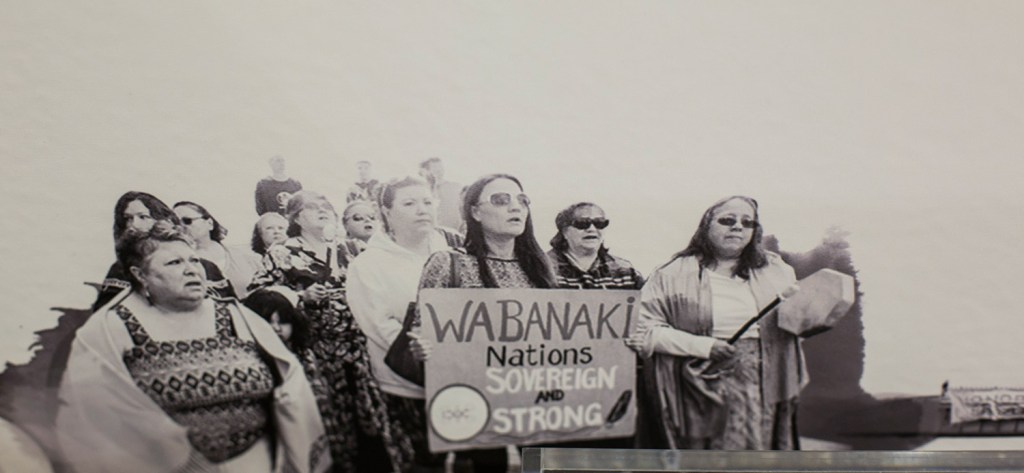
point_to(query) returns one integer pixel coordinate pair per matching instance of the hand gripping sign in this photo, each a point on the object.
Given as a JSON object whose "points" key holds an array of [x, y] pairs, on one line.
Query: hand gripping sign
{"points": [[527, 366]]}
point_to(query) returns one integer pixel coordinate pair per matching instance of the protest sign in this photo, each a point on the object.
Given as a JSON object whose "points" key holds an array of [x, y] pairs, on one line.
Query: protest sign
{"points": [[528, 366]]}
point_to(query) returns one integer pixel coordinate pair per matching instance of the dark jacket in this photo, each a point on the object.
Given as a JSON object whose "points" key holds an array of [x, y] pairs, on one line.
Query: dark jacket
{"points": [[607, 272]]}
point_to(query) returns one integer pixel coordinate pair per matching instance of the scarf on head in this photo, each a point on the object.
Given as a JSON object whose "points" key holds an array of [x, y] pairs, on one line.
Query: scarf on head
{"points": [[685, 388]]}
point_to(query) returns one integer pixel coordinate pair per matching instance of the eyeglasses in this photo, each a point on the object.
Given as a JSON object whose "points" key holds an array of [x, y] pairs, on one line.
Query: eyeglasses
{"points": [[190, 220], [731, 221], [501, 199], [585, 223], [325, 206]]}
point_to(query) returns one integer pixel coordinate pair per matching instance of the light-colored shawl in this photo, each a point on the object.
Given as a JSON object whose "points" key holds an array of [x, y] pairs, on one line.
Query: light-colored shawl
{"points": [[106, 423], [678, 295]]}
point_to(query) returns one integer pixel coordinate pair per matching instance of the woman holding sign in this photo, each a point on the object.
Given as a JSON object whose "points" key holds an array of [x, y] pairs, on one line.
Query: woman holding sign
{"points": [[382, 283], [715, 394], [500, 252], [501, 249]]}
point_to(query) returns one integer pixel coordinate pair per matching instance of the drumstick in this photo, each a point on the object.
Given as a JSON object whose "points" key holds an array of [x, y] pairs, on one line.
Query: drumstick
{"points": [[760, 315]]}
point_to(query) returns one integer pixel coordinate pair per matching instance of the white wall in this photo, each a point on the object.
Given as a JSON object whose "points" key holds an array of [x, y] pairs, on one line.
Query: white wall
{"points": [[900, 121]]}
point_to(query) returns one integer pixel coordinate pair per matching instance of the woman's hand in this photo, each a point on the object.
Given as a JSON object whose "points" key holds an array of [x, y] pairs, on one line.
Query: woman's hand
{"points": [[721, 351], [637, 338], [421, 349], [314, 293]]}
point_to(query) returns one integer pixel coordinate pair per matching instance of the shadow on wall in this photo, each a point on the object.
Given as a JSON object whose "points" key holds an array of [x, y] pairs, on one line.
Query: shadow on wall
{"points": [[28, 392], [833, 406]]}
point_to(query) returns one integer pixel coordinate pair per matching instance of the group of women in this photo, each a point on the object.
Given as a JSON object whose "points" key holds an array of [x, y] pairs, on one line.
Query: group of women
{"points": [[173, 372]]}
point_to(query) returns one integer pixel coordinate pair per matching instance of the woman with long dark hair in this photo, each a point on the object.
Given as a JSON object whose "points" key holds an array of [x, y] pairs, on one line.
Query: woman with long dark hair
{"points": [[278, 309], [501, 251], [239, 264], [137, 212], [278, 306], [744, 398]]}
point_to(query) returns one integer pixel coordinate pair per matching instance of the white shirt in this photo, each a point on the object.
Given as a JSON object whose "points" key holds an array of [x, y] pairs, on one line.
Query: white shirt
{"points": [[382, 281], [732, 305], [665, 339]]}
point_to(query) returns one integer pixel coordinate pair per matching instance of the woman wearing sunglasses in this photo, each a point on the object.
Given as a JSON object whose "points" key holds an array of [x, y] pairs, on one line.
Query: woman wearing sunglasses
{"points": [[137, 212], [579, 256], [500, 252], [354, 413], [360, 222], [500, 248], [581, 261], [744, 398], [239, 264]]}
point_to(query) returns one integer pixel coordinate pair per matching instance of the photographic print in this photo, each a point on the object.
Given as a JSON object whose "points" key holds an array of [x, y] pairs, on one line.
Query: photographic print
{"points": [[221, 221]]}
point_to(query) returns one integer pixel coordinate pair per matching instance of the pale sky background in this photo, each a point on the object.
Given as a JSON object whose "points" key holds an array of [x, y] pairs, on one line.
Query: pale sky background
{"points": [[899, 121]]}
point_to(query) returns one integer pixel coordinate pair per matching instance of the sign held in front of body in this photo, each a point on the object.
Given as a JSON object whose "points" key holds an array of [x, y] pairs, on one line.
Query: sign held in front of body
{"points": [[528, 366]]}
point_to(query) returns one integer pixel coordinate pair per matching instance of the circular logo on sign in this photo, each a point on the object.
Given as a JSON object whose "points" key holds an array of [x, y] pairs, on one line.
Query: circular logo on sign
{"points": [[458, 412]]}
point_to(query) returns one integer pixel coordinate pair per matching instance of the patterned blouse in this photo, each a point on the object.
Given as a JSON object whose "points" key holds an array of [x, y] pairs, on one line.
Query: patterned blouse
{"points": [[348, 249], [219, 388], [348, 396], [438, 272], [607, 272]]}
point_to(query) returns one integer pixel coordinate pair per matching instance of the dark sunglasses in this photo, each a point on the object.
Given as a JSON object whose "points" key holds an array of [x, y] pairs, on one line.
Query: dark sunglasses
{"points": [[501, 199], [362, 218], [585, 223], [730, 221], [189, 220]]}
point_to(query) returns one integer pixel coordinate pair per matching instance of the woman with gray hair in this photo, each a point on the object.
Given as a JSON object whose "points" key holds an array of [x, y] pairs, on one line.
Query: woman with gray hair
{"points": [[239, 264], [501, 251], [167, 379]]}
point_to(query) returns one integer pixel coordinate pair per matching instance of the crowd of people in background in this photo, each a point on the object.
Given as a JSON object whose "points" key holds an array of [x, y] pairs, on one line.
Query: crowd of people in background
{"points": [[202, 356]]}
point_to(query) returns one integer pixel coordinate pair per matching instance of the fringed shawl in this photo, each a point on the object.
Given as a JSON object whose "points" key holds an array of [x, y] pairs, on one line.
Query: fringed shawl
{"points": [[678, 295]]}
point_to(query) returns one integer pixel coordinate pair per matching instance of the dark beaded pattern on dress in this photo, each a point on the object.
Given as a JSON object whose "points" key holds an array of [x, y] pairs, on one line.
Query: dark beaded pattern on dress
{"points": [[219, 388]]}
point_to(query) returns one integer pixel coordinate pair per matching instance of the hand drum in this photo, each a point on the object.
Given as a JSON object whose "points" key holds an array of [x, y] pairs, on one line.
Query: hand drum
{"points": [[824, 298]]}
